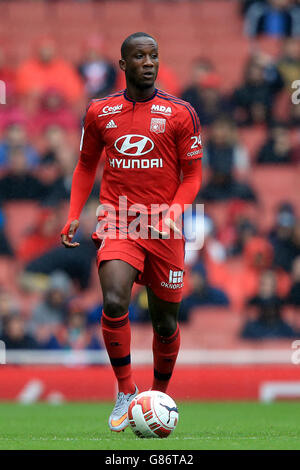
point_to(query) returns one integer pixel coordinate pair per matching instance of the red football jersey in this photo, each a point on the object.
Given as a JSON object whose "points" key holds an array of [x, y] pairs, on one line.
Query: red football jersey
{"points": [[144, 142]]}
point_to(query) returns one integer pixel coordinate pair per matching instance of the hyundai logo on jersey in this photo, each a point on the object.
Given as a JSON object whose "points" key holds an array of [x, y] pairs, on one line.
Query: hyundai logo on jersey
{"points": [[134, 144]]}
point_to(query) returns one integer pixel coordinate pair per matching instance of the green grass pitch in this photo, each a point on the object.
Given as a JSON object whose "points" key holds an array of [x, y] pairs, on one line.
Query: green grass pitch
{"points": [[201, 426]]}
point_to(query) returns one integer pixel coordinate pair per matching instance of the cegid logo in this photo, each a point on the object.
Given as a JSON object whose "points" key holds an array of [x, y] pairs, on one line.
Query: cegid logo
{"points": [[111, 110], [134, 144]]}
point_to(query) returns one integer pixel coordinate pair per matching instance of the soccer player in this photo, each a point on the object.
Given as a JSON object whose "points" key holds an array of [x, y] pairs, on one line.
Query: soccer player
{"points": [[152, 156]]}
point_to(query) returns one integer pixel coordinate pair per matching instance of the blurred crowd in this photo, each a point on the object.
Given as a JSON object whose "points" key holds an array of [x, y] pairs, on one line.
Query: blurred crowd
{"points": [[48, 295]]}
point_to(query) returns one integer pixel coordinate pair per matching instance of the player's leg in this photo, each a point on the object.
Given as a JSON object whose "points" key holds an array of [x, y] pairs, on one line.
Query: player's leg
{"points": [[166, 339], [117, 278]]}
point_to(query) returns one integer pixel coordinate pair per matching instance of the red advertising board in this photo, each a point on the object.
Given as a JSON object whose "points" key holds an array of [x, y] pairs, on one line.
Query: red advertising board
{"points": [[95, 383]]}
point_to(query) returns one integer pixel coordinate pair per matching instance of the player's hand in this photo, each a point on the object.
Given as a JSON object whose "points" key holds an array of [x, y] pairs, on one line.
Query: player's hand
{"points": [[162, 234], [66, 238]]}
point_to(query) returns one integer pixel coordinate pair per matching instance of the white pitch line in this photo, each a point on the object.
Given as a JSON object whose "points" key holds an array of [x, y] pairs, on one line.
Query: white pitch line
{"points": [[137, 439]]}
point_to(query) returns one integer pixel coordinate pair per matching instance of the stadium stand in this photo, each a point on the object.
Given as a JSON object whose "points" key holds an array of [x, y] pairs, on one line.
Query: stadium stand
{"points": [[185, 31]]}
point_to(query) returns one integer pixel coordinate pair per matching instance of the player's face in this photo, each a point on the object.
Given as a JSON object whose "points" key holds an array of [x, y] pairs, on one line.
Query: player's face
{"points": [[141, 63]]}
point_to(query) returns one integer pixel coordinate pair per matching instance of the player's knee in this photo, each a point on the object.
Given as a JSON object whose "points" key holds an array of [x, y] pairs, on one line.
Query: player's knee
{"points": [[115, 304], [166, 328]]}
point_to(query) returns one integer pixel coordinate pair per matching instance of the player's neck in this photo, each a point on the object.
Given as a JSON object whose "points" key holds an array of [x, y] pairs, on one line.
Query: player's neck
{"points": [[139, 95]]}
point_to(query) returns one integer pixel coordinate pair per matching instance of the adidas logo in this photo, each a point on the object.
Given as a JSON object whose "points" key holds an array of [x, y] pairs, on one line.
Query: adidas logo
{"points": [[111, 124]]}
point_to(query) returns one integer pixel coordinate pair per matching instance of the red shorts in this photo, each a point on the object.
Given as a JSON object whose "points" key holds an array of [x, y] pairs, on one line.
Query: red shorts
{"points": [[160, 262]]}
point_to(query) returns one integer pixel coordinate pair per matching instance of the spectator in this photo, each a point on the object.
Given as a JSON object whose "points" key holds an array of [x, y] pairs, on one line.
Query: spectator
{"points": [[11, 112], [138, 309], [55, 143], [253, 100], [295, 11], [19, 183], [246, 4], [5, 247], [167, 80], [294, 294], [245, 229], [199, 228], [7, 74], [97, 71], [267, 306], [52, 311], [294, 118], [76, 331], [272, 18], [214, 251], [57, 157], [258, 256], [204, 94], [285, 237], [16, 138], [54, 111], [278, 147], [59, 186], [8, 308], [202, 293], [239, 225], [14, 335], [223, 151], [77, 267], [48, 338], [258, 253], [223, 187], [289, 62], [200, 68], [45, 70], [94, 315], [225, 157], [78, 336], [43, 236]]}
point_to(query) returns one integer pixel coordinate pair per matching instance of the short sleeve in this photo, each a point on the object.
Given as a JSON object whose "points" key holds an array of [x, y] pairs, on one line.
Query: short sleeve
{"points": [[188, 134], [91, 142]]}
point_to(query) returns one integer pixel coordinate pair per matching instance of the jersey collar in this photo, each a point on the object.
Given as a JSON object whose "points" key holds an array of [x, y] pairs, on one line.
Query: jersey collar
{"points": [[140, 101]]}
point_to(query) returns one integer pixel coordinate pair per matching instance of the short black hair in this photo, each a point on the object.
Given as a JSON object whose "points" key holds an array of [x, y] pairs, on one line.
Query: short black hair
{"points": [[128, 40]]}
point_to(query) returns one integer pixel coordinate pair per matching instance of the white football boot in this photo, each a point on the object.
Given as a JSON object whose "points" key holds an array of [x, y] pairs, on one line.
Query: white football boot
{"points": [[118, 419]]}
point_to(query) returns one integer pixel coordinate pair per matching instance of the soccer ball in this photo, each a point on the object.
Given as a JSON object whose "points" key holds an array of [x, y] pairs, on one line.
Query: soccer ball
{"points": [[153, 414]]}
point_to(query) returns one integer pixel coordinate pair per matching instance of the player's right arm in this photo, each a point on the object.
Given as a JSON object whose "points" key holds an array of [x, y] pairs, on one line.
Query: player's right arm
{"points": [[83, 179]]}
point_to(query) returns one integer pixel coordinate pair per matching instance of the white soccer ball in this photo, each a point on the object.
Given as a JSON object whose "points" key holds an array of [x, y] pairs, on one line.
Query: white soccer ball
{"points": [[153, 414]]}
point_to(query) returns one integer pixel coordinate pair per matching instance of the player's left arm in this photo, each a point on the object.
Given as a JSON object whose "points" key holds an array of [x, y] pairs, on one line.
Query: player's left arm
{"points": [[189, 149], [186, 192]]}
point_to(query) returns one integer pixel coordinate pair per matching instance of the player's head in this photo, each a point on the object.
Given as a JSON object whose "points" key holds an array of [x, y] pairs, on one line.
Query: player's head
{"points": [[139, 60]]}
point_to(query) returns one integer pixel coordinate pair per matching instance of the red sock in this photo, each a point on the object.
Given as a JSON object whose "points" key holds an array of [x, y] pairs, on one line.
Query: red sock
{"points": [[165, 351], [116, 334]]}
